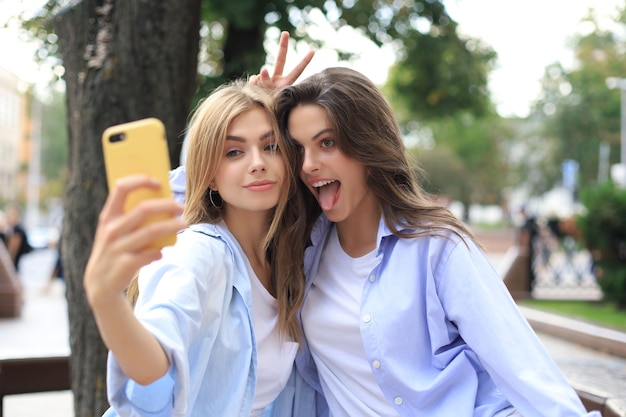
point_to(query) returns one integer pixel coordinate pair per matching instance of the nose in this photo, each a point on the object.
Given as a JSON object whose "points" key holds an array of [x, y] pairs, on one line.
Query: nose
{"points": [[258, 162], [309, 162]]}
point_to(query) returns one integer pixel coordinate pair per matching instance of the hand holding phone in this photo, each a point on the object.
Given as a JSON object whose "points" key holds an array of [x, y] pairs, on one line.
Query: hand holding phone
{"points": [[139, 147]]}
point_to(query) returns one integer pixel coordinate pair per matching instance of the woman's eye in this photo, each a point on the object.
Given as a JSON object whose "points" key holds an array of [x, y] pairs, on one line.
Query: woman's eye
{"points": [[233, 153], [327, 143], [300, 148], [272, 147]]}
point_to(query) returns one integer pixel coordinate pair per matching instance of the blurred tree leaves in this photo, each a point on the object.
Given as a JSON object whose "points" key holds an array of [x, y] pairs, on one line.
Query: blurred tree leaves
{"points": [[438, 74], [54, 146], [441, 74], [451, 70], [578, 111], [466, 159]]}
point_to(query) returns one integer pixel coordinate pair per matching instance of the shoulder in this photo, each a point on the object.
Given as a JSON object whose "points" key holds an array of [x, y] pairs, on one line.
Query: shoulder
{"points": [[440, 251], [453, 245], [200, 245], [432, 240], [198, 259], [457, 263]]}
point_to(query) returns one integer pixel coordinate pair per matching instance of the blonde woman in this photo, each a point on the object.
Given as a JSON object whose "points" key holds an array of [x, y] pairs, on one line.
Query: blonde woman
{"points": [[214, 331]]}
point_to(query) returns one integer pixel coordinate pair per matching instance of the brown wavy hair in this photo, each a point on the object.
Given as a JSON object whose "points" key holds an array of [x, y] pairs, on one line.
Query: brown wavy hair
{"points": [[367, 131]]}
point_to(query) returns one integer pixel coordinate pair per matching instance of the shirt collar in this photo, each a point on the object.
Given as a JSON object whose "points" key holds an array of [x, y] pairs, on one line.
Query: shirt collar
{"points": [[322, 226]]}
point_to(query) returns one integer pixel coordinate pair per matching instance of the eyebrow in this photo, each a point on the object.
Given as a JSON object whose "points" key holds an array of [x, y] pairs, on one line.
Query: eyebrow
{"points": [[265, 136], [322, 132], [318, 134]]}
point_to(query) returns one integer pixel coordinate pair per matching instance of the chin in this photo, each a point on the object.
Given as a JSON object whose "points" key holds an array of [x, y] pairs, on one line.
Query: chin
{"points": [[334, 216]]}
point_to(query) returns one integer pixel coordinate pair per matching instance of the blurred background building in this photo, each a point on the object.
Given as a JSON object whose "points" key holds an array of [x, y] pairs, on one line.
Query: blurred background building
{"points": [[20, 146], [13, 146]]}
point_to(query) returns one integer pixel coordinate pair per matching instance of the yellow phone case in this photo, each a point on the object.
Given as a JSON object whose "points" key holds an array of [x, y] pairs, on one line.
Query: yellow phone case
{"points": [[139, 147]]}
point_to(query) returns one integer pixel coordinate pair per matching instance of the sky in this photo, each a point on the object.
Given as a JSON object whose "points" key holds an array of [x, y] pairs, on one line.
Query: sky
{"points": [[527, 35], [15, 55]]}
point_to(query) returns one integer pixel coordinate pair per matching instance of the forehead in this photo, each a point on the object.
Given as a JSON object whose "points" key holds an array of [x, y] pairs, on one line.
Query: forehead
{"points": [[250, 122], [307, 120]]}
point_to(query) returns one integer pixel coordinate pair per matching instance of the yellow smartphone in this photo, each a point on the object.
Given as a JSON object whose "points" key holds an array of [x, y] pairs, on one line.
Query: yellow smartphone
{"points": [[139, 147]]}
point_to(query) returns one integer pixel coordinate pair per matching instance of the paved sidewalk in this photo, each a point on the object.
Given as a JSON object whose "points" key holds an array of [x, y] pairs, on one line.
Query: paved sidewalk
{"points": [[41, 331], [599, 377]]}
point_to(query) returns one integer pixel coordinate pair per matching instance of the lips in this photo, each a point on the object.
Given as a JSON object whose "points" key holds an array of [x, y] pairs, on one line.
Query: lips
{"points": [[262, 185]]}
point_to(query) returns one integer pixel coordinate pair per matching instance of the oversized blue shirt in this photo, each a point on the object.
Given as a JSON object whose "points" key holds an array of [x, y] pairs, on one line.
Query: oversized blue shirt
{"points": [[197, 301], [444, 336]]}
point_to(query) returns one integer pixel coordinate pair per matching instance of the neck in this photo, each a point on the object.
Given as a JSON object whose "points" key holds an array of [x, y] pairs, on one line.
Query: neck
{"points": [[250, 231], [357, 234]]}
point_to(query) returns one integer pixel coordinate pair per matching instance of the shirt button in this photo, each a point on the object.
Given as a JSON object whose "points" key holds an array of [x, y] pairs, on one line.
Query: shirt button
{"points": [[367, 318], [372, 278], [376, 364], [398, 400]]}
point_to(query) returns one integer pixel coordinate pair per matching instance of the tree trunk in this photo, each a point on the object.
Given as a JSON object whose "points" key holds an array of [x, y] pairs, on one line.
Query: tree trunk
{"points": [[243, 51], [124, 60]]}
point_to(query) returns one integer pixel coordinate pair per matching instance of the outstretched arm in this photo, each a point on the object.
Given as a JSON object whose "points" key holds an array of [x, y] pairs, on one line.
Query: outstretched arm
{"points": [[119, 250], [277, 80]]}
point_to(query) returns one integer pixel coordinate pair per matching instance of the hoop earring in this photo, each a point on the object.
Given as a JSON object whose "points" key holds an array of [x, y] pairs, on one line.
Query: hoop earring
{"points": [[213, 202]]}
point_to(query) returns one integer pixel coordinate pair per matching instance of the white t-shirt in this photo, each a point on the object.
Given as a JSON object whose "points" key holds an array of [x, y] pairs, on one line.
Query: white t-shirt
{"points": [[275, 355], [331, 318]]}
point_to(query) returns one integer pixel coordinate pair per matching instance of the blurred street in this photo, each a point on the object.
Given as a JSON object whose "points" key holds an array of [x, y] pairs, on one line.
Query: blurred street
{"points": [[42, 330], [44, 313]]}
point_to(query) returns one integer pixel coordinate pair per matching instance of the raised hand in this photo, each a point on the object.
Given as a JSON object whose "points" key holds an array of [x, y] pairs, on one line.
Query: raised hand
{"points": [[277, 80], [120, 245]]}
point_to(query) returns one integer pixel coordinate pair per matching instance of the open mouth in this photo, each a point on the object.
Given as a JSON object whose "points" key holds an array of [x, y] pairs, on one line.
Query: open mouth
{"points": [[327, 193]]}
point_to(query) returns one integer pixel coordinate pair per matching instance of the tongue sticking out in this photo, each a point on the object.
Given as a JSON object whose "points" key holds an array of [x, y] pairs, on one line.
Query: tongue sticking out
{"points": [[328, 195]]}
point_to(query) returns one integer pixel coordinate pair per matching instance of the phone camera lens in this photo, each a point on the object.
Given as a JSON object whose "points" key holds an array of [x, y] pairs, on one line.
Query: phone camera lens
{"points": [[117, 137]]}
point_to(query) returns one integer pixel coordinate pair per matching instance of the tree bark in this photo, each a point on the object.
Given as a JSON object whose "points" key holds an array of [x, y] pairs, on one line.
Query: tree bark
{"points": [[124, 60], [243, 51]]}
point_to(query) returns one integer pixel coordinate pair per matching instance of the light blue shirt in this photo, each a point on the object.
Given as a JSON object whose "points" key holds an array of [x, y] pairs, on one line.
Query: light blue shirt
{"points": [[197, 301], [178, 183], [444, 337]]}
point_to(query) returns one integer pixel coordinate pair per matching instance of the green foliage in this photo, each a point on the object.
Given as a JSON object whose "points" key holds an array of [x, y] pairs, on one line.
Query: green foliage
{"points": [[382, 21], [440, 76], [578, 110], [236, 30], [531, 158], [233, 32], [464, 158], [54, 144], [443, 172], [439, 86], [603, 231]]}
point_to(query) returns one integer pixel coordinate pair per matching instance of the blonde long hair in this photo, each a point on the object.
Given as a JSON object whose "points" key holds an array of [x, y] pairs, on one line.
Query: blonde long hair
{"points": [[207, 134]]}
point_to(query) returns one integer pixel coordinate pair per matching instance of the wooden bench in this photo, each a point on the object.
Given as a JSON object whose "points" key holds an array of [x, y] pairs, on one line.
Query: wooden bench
{"points": [[31, 375]]}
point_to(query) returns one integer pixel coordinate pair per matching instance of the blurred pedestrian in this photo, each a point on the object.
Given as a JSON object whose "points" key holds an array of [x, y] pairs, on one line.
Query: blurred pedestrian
{"points": [[14, 235], [57, 270], [3, 225], [529, 231]]}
